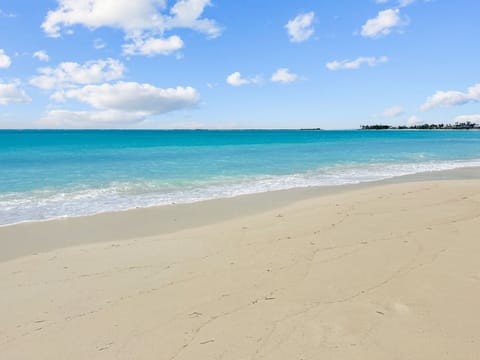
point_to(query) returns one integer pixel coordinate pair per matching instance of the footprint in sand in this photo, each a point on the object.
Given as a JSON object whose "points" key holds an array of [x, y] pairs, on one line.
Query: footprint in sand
{"points": [[400, 308]]}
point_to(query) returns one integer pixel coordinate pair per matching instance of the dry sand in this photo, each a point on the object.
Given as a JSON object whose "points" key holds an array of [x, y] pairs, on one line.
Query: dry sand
{"points": [[390, 271]]}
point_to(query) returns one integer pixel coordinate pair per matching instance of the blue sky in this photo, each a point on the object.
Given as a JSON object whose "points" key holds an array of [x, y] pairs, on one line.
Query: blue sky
{"points": [[237, 64]]}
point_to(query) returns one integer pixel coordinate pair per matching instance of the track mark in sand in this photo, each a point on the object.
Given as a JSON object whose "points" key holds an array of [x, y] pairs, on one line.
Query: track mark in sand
{"points": [[105, 347], [207, 341]]}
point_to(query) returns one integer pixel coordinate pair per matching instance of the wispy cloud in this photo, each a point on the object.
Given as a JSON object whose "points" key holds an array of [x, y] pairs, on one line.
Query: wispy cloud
{"points": [[393, 111], [6, 14], [355, 64], [153, 46], [99, 43]]}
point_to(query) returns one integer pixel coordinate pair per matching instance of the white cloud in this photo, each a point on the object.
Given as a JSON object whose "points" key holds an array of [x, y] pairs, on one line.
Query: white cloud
{"points": [[393, 111], [452, 98], [120, 104], [12, 93], [355, 64], [474, 118], [130, 16], [153, 46], [382, 24], [142, 21], [5, 61], [282, 75], [301, 27], [235, 79], [41, 55], [187, 13], [134, 97], [69, 74]]}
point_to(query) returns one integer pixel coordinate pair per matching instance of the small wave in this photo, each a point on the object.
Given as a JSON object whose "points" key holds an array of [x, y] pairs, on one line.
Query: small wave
{"points": [[53, 203]]}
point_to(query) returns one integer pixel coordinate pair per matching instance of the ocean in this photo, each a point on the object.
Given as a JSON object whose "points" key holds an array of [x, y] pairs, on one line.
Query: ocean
{"points": [[47, 174]]}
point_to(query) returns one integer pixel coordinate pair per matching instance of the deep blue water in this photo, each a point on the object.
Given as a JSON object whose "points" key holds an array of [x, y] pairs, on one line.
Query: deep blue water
{"points": [[52, 173]]}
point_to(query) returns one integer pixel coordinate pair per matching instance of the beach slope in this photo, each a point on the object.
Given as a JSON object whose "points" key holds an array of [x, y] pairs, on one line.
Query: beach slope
{"points": [[389, 271]]}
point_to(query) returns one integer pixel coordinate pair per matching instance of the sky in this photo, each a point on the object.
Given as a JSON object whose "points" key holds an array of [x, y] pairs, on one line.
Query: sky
{"points": [[222, 64]]}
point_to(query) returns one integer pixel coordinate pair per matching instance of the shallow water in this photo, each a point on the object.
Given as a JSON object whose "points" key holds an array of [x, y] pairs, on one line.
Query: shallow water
{"points": [[53, 173]]}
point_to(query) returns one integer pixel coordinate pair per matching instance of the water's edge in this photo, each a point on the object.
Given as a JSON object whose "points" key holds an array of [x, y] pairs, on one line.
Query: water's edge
{"points": [[465, 172]]}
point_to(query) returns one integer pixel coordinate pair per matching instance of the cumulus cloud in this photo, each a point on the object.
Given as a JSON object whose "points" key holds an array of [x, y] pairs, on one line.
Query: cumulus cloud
{"points": [[393, 111], [135, 97], [69, 74], [452, 98], [153, 46], [12, 93], [282, 75], [127, 15], [383, 23], [41, 55], [121, 103], [187, 14], [474, 118], [300, 28], [355, 64], [142, 21], [5, 61], [235, 79]]}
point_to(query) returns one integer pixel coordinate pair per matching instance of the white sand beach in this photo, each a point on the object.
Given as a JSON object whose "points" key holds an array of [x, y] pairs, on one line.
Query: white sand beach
{"points": [[384, 271]]}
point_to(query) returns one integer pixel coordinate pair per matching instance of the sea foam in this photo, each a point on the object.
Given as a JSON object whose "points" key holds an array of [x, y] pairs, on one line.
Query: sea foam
{"points": [[54, 203]]}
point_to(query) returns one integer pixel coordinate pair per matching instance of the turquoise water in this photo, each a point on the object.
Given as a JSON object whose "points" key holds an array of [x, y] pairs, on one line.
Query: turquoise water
{"points": [[49, 174]]}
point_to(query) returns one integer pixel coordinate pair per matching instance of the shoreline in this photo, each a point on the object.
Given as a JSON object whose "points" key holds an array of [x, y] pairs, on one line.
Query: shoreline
{"points": [[417, 175], [37, 236], [287, 275]]}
